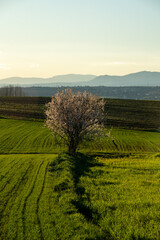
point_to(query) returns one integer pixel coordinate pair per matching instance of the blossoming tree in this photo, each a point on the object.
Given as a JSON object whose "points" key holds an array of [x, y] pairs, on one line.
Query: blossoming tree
{"points": [[74, 116]]}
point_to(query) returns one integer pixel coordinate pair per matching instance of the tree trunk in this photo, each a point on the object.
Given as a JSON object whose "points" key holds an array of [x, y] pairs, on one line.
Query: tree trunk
{"points": [[72, 147]]}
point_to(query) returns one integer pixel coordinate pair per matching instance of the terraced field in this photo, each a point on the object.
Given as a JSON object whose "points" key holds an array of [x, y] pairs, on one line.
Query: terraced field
{"points": [[109, 191]]}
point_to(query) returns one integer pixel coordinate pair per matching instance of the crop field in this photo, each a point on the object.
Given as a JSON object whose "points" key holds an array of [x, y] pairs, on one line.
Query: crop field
{"points": [[137, 114], [19, 136], [110, 190], [112, 196]]}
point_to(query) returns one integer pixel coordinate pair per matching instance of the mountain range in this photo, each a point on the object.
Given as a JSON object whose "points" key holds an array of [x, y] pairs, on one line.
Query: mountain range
{"points": [[144, 78]]}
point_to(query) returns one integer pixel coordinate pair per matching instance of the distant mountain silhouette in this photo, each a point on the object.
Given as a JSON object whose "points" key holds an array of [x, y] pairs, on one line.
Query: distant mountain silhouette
{"points": [[56, 80], [144, 78], [134, 79]]}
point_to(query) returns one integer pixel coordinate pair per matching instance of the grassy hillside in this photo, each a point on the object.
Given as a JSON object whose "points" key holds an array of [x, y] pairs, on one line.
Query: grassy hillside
{"points": [[119, 113], [19, 136]]}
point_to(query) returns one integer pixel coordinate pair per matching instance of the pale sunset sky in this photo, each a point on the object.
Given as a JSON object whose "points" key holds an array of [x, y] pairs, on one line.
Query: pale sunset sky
{"points": [[44, 38]]}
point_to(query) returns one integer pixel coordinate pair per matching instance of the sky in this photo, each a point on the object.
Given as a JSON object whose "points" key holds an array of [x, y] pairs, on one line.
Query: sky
{"points": [[44, 38]]}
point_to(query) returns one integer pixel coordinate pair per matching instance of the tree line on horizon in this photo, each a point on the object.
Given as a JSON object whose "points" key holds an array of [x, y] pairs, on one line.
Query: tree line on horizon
{"points": [[12, 91], [139, 93]]}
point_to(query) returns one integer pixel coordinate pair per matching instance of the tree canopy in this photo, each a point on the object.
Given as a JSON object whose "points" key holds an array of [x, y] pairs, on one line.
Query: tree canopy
{"points": [[73, 116]]}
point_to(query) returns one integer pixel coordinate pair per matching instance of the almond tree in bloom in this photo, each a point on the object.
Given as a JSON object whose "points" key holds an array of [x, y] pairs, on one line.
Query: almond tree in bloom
{"points": [[74, 116]]}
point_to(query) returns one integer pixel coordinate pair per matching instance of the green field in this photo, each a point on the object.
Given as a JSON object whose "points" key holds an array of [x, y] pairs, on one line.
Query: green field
{"points": [[108, 191], [103, 197], [137, 114], [19, 136]]}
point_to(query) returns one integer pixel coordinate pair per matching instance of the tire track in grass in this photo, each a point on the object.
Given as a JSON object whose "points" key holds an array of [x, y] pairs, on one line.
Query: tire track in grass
{"points": [[12, 193], [2, 162], [4, 169], [22, 141], [5, 166], [38, 200], [8, 180], [5, 141], [155, 146], [48, 142], [114, 143], [8, 143], [26, 198], [15, 187], [15, 224]]}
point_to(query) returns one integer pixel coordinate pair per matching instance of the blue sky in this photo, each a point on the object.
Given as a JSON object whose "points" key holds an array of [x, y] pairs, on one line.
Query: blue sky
{"points": [[43, 38]]}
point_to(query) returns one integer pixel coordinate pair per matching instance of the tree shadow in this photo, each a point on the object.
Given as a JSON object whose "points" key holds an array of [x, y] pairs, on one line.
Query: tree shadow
{"points": [[82, 164], [81, 167]]}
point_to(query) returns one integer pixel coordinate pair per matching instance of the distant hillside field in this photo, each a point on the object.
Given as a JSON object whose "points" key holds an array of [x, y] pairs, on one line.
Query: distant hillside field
{"points": [[135, 114]]}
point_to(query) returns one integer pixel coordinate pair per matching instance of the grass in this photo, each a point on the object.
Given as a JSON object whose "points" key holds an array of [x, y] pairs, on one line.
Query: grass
{"points": [[82, 197], [108, 191], [122, 195], [25, 137], [22, 184], [19, 136], [137, 114]]}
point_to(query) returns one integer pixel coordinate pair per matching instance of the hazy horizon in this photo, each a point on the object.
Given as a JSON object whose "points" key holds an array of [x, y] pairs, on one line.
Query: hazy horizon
{"points": [[83, 74], [48, 38]]}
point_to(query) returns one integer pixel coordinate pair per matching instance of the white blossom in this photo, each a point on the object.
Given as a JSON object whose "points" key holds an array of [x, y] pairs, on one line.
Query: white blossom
{"points": [[73, 116]]}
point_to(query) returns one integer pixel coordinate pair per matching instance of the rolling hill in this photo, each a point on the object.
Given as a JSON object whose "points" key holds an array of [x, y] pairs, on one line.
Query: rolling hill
{"points": [[53, 81], [144, 78]]}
